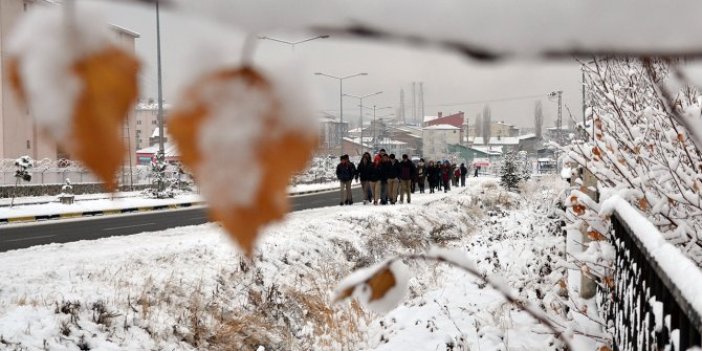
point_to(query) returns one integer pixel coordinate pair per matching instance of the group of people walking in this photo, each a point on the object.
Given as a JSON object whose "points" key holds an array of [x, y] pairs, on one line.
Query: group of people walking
{"points": [[384, 178]]}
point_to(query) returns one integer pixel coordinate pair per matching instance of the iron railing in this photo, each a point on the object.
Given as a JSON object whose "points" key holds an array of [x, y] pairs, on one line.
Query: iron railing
{"points": [[648, 310]]}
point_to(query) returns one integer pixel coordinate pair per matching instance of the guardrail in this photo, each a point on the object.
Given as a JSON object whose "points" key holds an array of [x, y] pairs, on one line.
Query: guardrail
{"points": [[657, 290]]}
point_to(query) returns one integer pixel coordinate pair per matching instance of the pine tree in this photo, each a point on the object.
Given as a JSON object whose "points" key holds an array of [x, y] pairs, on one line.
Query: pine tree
{"points": [[509, 173]]}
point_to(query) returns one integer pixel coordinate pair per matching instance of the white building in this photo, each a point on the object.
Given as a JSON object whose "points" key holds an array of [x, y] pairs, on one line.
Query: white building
{"points": [[435, 140]]}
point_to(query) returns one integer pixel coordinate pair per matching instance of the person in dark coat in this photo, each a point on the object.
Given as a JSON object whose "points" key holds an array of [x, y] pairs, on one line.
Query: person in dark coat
{"points": [[446, 176], [433, 174], [365, 167], [421, 175], [464, 172], [393, 178], [407, 173], [385, 169], [345, 172]]}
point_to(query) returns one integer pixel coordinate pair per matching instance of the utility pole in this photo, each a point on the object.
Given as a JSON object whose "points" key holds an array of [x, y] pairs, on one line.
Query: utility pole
{"points": [[402, 106], [161, 147], [421, 101], [414, 103]]}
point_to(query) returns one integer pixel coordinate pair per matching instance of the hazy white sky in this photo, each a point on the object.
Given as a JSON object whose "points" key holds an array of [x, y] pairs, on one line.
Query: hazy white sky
{"points": [[451, 83]]}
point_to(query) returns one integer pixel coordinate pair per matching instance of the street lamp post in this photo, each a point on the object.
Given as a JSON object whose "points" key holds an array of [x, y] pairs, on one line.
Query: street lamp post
{"points": [[161, 146], [293, 43], [374, 125], [341, 89], [360, 98], [559, 120]]}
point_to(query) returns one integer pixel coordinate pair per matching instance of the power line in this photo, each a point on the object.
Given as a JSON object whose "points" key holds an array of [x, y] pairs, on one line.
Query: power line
{"points": [[489, 100], [475, 102]]}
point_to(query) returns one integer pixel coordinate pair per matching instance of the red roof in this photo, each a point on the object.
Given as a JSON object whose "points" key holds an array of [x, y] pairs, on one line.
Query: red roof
{"points": [[455, 120]]}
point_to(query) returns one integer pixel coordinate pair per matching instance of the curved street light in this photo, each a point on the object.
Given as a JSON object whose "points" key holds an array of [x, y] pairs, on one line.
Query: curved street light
{"points": [[360, 98], [341, 89], [293, 43]]}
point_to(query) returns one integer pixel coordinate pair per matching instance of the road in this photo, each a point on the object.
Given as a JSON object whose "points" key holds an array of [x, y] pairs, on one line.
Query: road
{"points": [[62, 231]]}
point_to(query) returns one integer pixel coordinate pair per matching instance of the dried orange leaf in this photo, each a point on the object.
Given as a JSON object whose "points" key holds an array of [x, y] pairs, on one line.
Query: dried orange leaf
{"points": [[596, 236], [242, 220], [109, 87], [609, 281], [596, 151], [380, 284], [643, 204], [604, 348]]}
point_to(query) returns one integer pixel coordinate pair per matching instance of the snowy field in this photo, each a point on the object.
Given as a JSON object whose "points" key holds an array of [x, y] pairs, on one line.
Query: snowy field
{"points": [[188, 288]]}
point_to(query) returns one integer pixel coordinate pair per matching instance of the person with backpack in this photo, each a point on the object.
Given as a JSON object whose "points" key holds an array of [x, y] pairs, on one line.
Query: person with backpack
{"points": [[345, 172], [407, 173], [421, 175], [464, 172]]}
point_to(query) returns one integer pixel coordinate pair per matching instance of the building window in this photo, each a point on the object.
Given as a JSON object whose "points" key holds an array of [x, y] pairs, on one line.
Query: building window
{"points": [[138, 122], [29, 145], [153, 122]]}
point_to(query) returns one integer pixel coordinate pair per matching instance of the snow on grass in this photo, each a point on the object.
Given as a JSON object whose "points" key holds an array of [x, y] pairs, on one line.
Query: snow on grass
{"points": [[187, 288]]}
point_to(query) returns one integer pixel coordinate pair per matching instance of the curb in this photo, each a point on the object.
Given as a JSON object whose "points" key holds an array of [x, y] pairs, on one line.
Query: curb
{"points": [[28, 219]]}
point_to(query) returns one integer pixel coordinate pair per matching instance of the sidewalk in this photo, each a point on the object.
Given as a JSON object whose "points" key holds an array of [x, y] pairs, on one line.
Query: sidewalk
{"points": [[47, 207]]}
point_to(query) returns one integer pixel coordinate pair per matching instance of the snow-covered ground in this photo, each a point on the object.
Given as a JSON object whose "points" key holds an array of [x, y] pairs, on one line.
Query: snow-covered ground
{"points": [[188, 288]]}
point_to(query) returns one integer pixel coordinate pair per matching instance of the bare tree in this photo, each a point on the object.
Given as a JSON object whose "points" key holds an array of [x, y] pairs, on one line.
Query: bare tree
{"points": [[478, 125], [487, 124]]}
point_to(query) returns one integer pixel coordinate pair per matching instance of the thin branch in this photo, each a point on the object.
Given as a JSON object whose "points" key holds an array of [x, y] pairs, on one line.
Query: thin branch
{"points": [[530, 309]]}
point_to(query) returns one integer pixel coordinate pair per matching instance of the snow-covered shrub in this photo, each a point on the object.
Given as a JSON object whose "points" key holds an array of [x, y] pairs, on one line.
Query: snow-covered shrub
{"points": [[510, 171]]}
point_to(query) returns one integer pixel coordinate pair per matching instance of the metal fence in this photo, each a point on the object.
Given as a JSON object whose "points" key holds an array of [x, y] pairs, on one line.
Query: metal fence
{"points": [[648, 310], [77, 176]]}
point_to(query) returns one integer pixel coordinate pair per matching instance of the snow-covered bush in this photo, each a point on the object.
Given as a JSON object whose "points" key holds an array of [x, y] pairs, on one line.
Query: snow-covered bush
{"points": [[22, 165]]}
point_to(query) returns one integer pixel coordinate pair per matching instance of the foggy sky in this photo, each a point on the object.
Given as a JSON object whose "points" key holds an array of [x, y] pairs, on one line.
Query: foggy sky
{"points": [[450, 81]]}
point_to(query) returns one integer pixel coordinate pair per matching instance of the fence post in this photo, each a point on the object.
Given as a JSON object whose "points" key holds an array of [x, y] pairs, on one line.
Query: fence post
{"points": [[588, 287]]}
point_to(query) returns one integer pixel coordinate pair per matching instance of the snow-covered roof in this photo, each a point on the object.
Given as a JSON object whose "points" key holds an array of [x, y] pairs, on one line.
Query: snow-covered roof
{"points": [[145, 106], [388, 141], [121, 29], [496, 141], [429, 118], [366, 141], [441, 127], [169, 149], [526, 136], [491, 150]]}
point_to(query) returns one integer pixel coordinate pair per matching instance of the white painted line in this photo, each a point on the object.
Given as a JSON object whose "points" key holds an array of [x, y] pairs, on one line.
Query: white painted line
{"points": [[129, 226], [33, 238]]}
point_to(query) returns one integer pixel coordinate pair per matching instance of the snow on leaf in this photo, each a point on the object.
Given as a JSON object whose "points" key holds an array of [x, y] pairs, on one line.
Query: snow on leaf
{"points": [[380, 287], [231, 126]]}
